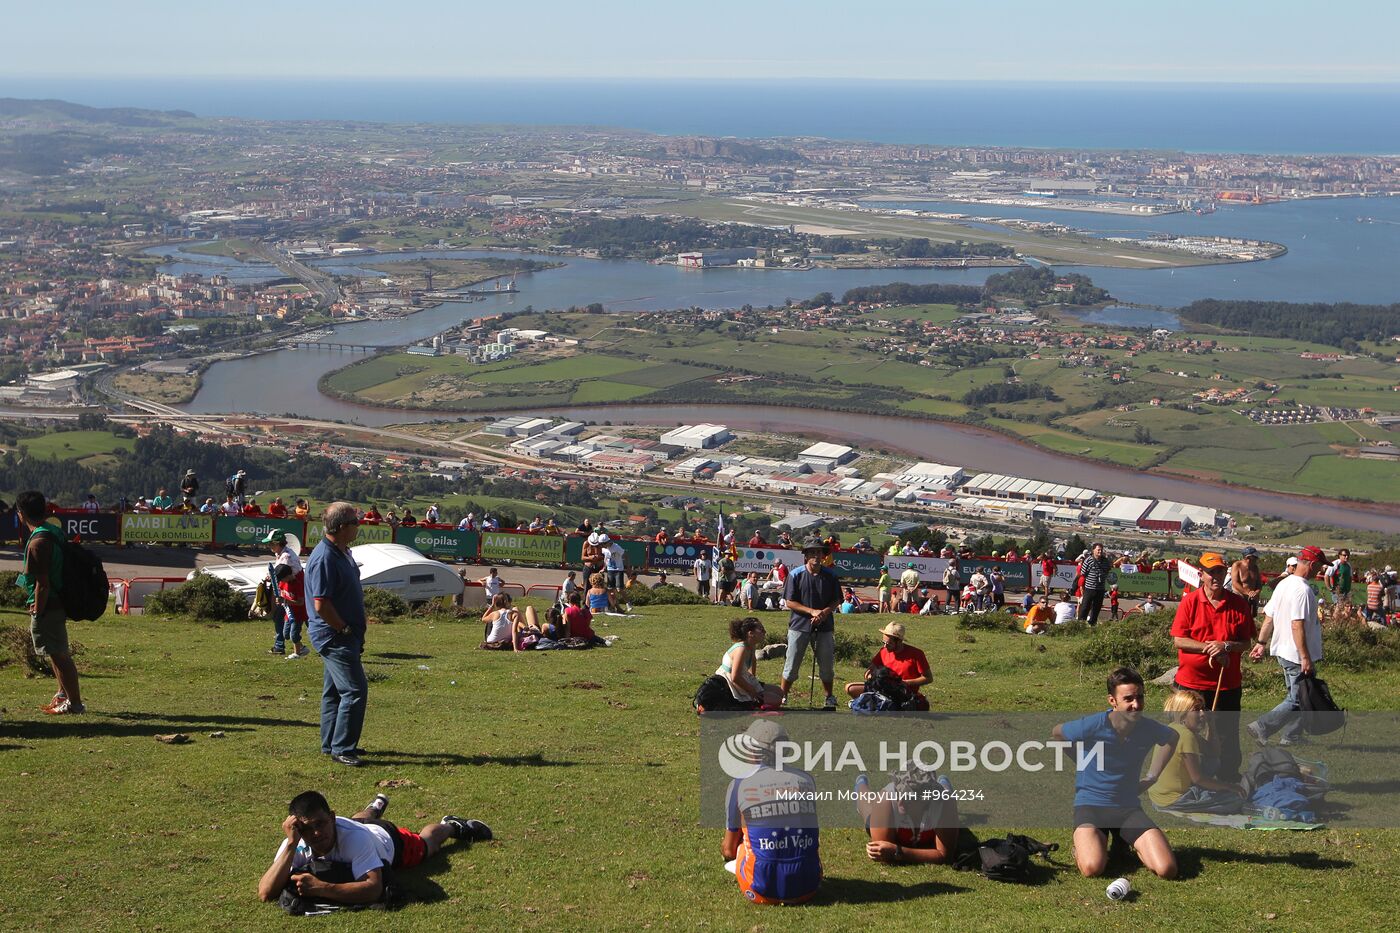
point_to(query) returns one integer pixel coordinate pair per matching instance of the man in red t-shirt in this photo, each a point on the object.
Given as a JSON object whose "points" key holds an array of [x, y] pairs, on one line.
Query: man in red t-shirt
{"points": [[1212, 629], [1047, 571], [903, 660]]}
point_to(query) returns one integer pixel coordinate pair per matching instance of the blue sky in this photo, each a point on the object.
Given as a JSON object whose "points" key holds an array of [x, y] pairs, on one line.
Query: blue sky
{"points": [[1280, 41]]}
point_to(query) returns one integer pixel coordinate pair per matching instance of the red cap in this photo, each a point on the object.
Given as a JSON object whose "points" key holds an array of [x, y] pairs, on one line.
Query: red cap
{"points": [[1313, 554]]}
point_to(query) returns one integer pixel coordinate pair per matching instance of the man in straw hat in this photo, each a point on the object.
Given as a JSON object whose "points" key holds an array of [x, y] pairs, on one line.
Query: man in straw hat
{"points": [[813, 594], [902, 660], [771, 830], [1213, 628]]}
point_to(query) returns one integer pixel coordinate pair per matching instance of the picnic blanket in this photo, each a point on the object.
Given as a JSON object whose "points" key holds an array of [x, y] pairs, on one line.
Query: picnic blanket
{"points": [[1243, 821]]}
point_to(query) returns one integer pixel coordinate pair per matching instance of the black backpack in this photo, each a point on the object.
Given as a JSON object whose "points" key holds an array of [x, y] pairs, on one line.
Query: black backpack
{"points": [[884, 681], [1006, 859], [1321, 714], [85, 588]]}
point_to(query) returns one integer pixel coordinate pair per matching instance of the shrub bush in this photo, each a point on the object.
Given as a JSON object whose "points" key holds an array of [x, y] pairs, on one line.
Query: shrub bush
{"points": [[16, 646], [1355, 646], [384, 605], [989, 621], [1142, 642], [206, 598], [668, 595], [11, 593]]}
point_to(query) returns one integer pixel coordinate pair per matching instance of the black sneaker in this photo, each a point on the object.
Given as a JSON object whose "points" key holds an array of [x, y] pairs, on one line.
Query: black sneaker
{"points": [[471, 830], [349, 759], [379, 804]]}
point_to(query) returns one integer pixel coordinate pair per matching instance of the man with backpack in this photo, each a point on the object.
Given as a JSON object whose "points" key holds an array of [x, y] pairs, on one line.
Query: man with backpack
{"points": [[42, 580], [236, 487], [900, 660], [1292, 634]]}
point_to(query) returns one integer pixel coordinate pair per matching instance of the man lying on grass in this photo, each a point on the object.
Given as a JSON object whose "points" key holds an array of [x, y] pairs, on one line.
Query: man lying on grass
{"points": [[1107, 791], [329, 859]]}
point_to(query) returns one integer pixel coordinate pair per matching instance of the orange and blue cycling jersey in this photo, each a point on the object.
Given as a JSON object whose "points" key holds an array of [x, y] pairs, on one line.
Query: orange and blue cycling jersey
{"points": [[777, 812]]}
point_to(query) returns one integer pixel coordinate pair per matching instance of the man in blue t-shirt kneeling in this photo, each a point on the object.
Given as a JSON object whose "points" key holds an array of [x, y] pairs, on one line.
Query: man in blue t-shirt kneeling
{"points": [[1106, 786]]}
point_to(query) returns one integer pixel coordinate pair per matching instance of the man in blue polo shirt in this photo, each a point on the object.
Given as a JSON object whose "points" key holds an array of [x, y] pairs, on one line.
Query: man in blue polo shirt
{"points": [[1107, 789], [335, 609], [812, 594]]}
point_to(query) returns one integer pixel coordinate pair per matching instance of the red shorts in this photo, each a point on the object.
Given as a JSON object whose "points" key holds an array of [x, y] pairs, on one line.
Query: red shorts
{"points": [[409, 848]]}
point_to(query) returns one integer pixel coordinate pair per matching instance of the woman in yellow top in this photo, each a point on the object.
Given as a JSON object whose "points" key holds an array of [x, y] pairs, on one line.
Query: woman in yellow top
{"points": [[1184, 783]]}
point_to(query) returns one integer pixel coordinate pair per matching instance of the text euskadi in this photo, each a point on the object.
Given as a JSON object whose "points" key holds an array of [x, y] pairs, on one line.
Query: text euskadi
{"points": [[996, 756]]}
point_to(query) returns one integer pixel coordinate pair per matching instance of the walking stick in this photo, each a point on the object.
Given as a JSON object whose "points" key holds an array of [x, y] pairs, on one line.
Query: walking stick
{"points": [[812, 684], [1218, 681]]}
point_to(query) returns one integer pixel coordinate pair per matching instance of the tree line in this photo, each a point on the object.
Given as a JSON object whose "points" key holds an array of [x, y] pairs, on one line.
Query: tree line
{"points": [[1337, 325]]}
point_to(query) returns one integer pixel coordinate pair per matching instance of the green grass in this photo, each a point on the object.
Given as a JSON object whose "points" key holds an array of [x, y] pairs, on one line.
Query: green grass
{"points": [[602, 390], [591, 792], [582, 366], [664, 376], [72, 445]]}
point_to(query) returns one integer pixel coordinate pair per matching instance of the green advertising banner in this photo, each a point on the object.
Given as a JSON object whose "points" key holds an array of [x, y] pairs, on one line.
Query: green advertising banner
{"points": [[369, 534], [1318, 584], [852, 566], [440, 542], [229, 529], [168, 529], [1158, 582], [522, 547]]}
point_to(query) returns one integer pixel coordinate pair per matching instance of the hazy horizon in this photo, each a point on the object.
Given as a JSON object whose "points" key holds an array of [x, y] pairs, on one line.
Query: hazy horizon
{"points": [[1198, 41]]}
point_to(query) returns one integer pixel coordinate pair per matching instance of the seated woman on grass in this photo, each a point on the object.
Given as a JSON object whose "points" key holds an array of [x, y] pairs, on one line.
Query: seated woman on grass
{"points": [[578, 620], [599, 597], [1187, 781], [913, 819], [501, 619], [739, 666], [526, 632]]}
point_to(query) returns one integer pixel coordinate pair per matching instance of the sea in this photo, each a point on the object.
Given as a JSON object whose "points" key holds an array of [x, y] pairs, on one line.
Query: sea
{"points": [[1209, 118]]}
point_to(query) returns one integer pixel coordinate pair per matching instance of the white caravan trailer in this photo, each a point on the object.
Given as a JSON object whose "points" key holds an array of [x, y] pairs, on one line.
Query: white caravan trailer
{"points": [[392, 567]]}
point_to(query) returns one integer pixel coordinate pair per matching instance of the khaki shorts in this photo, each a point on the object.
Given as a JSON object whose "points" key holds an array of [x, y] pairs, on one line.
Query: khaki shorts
{"points": [[49, 632]]}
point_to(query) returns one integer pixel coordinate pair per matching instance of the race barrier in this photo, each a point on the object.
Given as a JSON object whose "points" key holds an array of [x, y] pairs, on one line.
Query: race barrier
{"points": [[251, 531], [138, 588], [153, 528], [369, 534], [522, 547], [439, 542], [1157, 582], [90, 526], [676, 557]]}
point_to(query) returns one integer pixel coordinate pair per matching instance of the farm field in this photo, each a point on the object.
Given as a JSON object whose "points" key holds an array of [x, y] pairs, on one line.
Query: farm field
{"points": [[583, 761]]}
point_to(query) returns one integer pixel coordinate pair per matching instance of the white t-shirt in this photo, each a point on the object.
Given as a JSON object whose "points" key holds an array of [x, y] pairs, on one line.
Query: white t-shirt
{"points": [[493, 584], [1293, 599], [614, 557], [702, 568], [361, 846], [289, 558], [1063, 612]]}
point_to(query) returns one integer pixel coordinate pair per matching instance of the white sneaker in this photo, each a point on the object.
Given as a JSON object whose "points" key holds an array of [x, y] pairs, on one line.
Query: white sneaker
{"points": [[294, 657]]}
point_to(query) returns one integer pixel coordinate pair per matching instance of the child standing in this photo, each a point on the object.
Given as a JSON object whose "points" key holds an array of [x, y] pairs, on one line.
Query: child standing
{"points": [[1113, 603]]}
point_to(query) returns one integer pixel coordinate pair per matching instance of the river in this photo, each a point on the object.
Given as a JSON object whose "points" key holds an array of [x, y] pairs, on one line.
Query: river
{"points": [[1342, 260]]}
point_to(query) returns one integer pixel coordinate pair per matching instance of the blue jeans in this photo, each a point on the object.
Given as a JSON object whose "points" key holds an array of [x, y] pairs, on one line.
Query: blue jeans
{"points": [[278, 624], [344, 695], [291, 629], [1285, 716]]}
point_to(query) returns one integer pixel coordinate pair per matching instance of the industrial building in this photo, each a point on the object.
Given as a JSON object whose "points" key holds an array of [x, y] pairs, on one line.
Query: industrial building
{"points": [[1124, 512], [706, 258], [998, 486], [827, 457], [1178, 517], [698, 436]]}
